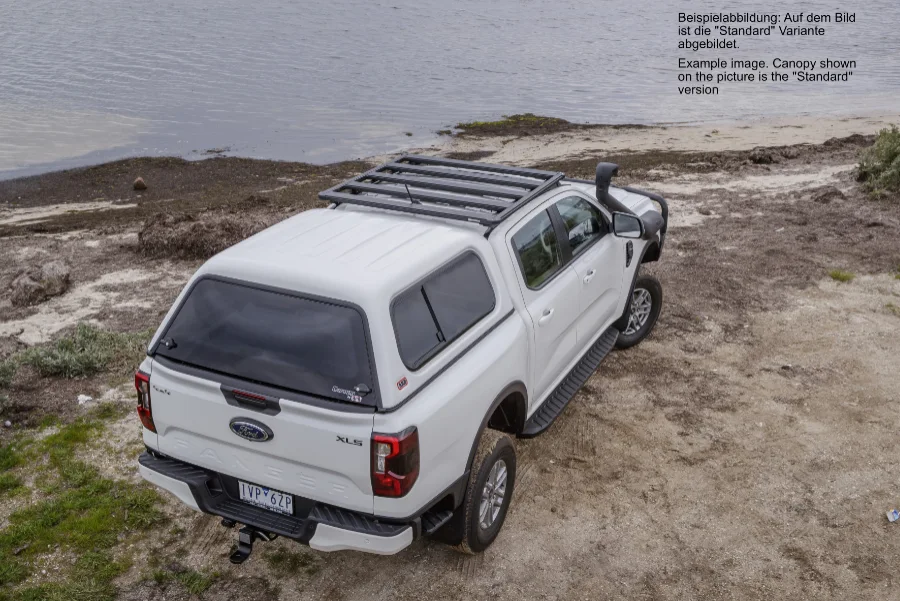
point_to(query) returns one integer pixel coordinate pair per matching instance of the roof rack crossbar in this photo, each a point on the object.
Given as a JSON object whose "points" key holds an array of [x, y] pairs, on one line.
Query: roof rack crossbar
{"points": [[490, 167], [443, 184], [495, 205], [392, 204], [464, 190], [465, 175], [553, 181]]}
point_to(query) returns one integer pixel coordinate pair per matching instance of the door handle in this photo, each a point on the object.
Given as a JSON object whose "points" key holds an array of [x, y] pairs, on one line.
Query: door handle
{"points": [[590, 276], [548, 314]]}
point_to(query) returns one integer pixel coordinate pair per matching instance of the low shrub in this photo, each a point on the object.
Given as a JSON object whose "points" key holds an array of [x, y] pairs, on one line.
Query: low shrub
{"points": [[879, 167], [839, 275], [87, 351]]}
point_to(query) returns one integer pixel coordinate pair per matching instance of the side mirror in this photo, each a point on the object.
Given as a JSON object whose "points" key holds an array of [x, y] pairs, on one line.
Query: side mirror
{"points": [[627, 226]]}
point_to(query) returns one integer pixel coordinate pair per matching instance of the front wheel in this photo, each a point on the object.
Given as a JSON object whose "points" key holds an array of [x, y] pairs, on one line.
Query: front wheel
{"points": [[646, 302]]}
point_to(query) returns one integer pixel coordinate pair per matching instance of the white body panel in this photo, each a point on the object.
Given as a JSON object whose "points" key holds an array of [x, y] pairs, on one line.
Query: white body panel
{"points": [[367, 258], [448, 416]]}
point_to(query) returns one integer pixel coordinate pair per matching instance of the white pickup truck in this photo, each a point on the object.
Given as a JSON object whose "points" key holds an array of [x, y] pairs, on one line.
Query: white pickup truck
{"points": [[353, 377]]}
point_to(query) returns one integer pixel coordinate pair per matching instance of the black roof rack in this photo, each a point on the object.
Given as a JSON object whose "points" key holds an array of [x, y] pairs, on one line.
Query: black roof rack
{"points": [[466, 190]]}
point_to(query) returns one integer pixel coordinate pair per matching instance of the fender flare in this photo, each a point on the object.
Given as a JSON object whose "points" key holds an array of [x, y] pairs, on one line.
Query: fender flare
{"points": [[512, 388], [622, 323]]}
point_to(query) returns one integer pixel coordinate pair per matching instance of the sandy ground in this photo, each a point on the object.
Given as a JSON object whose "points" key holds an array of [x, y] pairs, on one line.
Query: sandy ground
{"points": [[746, 450], [529, 149]]}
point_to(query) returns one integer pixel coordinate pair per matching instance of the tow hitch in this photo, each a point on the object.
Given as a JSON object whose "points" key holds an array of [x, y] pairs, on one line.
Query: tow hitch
{"points": [[246, 536]]}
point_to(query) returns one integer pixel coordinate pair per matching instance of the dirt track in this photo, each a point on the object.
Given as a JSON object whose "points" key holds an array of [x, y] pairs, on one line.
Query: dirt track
{"points": [[747, 450]]}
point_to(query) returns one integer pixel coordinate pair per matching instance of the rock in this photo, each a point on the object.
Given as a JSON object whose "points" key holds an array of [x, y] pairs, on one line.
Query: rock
{"points": [[26, 291], [55, 278], [7, 424], [83, 398], [139, 184], [761, 156], [826, 194], [36, 285]]}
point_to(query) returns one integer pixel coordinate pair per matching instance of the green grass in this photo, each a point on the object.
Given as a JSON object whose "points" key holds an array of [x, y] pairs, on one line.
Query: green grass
{"points": [[839, 275], [10, 485], [81, 511], [10, 457], [891, 307], [92, 577], [87, 351], [8, 368], [879, 167], [289, 563], [194, 582], [512, 122]]}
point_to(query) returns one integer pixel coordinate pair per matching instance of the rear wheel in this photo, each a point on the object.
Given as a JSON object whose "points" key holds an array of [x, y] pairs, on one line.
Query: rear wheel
{"points": [[478, 519], [646, 303]]}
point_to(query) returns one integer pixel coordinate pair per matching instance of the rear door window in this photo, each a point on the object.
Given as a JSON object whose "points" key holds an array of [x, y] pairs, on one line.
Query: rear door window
{"points": [[437, 311], [292, 342], [538, 250]]}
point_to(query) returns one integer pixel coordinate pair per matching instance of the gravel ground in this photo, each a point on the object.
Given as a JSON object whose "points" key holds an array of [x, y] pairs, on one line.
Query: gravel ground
{"points": [[746, 450]]}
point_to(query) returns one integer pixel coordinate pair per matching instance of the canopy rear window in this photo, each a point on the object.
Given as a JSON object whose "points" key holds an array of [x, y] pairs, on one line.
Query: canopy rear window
{"points": [[287, 341]]}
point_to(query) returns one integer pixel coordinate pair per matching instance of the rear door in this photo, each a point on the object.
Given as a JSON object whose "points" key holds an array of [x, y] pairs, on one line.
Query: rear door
{"points": [[598, 258], [296, 369], [550, 291]]}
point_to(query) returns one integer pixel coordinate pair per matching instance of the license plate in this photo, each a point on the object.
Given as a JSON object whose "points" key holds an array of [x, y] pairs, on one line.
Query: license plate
{"points": [[267, 498]]}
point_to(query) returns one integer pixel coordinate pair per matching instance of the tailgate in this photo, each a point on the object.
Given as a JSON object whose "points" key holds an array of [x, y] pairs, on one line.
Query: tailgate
{"points": [[313, 451]]}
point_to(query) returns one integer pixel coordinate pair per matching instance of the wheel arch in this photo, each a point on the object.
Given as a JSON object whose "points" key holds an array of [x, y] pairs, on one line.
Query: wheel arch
{"points": [[622, 323], [508, 410]]}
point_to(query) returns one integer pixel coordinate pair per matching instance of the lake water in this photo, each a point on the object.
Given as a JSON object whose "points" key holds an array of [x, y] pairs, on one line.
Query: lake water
{"points": [[84, 81]]}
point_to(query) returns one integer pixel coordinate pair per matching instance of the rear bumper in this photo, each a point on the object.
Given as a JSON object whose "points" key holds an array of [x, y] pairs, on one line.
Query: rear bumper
{"points": [[322, 527]]}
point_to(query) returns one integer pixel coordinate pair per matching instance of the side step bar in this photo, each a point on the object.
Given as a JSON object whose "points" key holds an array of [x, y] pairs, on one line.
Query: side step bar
{"points": [[551, 408]]}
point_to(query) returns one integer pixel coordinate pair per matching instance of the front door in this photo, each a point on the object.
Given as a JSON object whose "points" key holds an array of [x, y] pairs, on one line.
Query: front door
{"points": [[550, 291], [598, 258]]}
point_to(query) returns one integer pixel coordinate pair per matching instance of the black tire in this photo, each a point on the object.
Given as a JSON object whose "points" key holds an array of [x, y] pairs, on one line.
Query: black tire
{"points": [[465, 529], [650, 285]]}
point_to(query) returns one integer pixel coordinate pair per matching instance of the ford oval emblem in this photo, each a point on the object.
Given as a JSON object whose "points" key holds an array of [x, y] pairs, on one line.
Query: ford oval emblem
{"points": [[250, 429]]}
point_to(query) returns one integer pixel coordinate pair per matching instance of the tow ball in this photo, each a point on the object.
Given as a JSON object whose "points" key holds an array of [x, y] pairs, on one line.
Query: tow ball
{"points": [[246, 537]]}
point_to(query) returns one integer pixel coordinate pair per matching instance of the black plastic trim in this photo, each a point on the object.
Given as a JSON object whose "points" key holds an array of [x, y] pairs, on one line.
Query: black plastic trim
{"points": [[236, 397], [151, 352], [512, 388], [300, 527], [622, 323], [261, 388], [559, 398], [663, 205]]}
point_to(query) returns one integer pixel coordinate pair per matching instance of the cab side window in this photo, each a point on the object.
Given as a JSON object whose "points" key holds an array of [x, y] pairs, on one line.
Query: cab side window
{"points": [[437, 311], [538, 250], [583, 222]]}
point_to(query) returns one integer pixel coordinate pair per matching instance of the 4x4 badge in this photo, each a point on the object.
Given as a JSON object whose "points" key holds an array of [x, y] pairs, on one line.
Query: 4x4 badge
{"points": [[401, 383]]}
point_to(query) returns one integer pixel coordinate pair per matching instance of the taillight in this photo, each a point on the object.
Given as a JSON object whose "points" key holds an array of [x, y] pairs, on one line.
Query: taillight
{"points": [[395, 462], [142, 384]]}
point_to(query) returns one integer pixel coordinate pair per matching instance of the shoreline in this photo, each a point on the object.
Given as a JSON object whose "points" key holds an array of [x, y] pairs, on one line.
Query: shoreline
{"points": [[519, 143]]}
